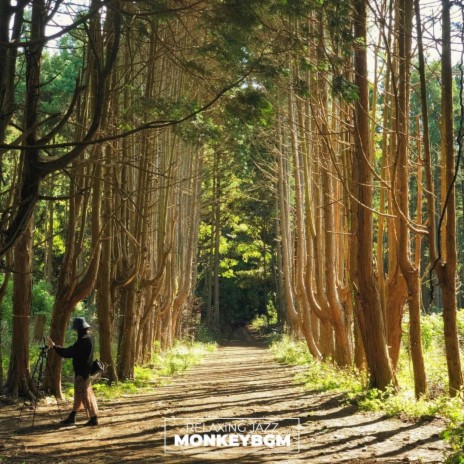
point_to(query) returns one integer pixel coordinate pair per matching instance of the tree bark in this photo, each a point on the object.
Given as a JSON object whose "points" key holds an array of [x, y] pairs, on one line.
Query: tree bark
{"points": [[408, 267], [217, 237], [369, 309], [447, 264], [19, 381]]}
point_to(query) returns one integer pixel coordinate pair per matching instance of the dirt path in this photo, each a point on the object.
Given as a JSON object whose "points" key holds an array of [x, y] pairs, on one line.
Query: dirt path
{"points": [[233, 382]]}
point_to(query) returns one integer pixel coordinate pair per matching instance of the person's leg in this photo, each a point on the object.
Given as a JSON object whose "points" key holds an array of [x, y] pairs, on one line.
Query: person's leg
{"points": [[77, 406], [93, 401], [90, 404], [79, 393]]}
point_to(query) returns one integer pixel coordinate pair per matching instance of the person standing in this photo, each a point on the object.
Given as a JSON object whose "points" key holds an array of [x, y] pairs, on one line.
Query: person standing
{"points": [[81, 353]]}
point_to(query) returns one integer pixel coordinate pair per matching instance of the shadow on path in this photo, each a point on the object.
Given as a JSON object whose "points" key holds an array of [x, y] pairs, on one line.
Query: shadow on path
{"points": [[239, 380]]}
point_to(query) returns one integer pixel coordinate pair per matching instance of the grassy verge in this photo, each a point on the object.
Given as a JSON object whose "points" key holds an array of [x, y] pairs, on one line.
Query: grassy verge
{"points": [[325, 376], [163, 365]]}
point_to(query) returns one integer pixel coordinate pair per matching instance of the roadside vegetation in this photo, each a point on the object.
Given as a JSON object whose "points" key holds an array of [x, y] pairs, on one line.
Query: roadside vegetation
{"points": [[184, 353], [399, 402], [164, 364]]}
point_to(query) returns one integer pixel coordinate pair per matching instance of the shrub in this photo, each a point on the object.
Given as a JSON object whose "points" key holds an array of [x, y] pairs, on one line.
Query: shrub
{"points": [[454, 435]]}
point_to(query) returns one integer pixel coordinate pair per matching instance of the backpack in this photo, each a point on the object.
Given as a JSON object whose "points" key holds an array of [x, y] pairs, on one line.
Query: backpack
{"points": [[97, 367]]}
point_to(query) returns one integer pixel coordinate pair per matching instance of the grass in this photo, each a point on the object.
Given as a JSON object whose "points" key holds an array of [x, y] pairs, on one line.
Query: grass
{"points": [[326, 376], [163, 365], [318, 376]]}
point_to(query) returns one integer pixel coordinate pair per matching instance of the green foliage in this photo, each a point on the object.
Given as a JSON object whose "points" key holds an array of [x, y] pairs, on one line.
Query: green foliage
{"points": [[42, 298], [205, 335], [287, 350], [259, 322], [230, 24], [42, 303], [266, 323], [246, 244], [198, 130], [345, 89], [41, 232], [335, 13], [435, 359], [163, 108], [326, 376], [318, 376], [404, 404], [105, 392], [271, 312], [5, 325], [164, 364], [250, 105], [182, 355], [302, 88], [295, 8], [7, 303], [454, 435], [59, 74], [431, 331]]}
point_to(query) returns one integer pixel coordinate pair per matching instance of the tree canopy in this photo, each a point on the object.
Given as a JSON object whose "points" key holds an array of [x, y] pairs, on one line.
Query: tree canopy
{"points": [[169, 163]]}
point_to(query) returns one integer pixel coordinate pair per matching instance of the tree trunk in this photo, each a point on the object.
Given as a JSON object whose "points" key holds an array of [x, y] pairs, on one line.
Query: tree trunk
{"points": [[370, 314], [72, 287], [217, 236], [48, 252], [408, 268], [18, 381], [447, 266], [285, 233], [103, 286], [301, 255], [3, 291]]}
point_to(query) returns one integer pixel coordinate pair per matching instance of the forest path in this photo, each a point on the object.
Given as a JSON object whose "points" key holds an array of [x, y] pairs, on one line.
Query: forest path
{"points": [[238, 380]]}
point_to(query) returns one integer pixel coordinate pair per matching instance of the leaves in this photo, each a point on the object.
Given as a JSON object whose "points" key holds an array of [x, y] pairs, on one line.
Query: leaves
{"points": [[345, 89], [251, 106]]}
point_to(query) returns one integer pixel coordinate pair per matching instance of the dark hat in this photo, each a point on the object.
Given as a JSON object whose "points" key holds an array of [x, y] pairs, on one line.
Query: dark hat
{"points": [[79, 323]]}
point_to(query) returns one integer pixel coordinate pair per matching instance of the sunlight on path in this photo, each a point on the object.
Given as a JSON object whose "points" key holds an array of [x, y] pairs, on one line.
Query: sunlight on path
{"points": [[234, 381]]}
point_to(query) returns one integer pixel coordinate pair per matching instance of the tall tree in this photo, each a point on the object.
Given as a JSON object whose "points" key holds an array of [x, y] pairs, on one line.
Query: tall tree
{"points": [[445, 265], [369, 314], [408, 266]]}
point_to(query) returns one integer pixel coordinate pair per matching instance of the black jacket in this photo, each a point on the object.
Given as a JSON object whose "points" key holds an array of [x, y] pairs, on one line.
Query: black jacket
{"points": [[81, 353]]}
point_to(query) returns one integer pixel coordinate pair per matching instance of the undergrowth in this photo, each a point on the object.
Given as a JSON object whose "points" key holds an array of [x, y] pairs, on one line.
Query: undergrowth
{"points": [[318, 376], [163, 365], [327, 376]]}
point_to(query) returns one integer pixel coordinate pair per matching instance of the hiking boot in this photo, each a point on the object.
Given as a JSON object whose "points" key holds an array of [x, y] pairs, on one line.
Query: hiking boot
{"points": [[71, 419], [92, 421]]}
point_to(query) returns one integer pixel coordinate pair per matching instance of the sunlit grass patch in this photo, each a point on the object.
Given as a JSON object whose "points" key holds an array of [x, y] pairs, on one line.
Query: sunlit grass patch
{"points": [[326, 376], [455, 437], [288, 350], [401, 402], [180, 357], [108, 392], [163, 365], [319, 376]]}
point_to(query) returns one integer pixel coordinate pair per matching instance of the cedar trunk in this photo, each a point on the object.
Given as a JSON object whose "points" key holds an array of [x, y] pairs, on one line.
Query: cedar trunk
{"points": [[18, 381], [369, 309]]}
